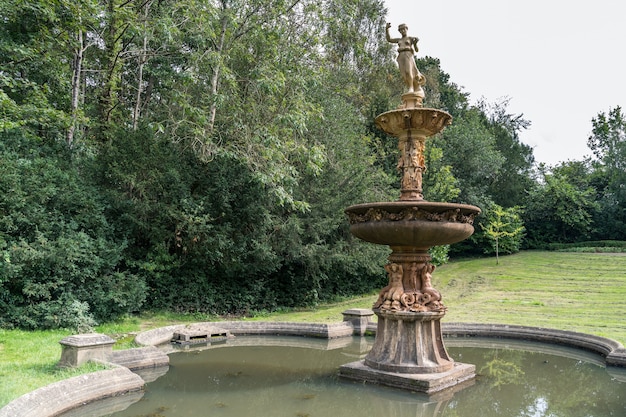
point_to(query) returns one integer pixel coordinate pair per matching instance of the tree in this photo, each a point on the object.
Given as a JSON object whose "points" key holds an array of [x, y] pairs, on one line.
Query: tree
{"points": [[62, 263], [258, 222], [34, 67], [469, 148], [515, 176], [558, 210], [608, 140], [504, 228], [608, 143], [440, 91]]}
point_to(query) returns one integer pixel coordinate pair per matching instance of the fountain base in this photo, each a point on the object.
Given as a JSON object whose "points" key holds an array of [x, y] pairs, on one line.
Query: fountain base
{"points": [[409, 353], [409, 343], [459, 376]]}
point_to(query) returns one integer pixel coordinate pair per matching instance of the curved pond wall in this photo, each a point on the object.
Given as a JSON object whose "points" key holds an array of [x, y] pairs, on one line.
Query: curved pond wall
{"points": [[151, 361]]}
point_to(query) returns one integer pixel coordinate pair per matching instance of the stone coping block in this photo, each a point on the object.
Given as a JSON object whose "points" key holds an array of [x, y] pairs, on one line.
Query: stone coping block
{"points": [[74, 392], [322, 330], [140, 358], [613, 351], [617, 358], [87, 340], [358, 312], [360, 318], [81, 348]]}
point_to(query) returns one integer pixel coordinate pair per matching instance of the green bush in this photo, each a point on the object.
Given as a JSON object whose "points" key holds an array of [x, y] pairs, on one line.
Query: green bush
{"points": [[199, 232], [60, 256], [208, 237], [146, 224]]}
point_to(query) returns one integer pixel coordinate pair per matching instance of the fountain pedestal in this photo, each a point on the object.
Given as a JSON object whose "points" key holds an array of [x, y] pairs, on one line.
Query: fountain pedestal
{"points": [[409, 343], [408, 351]]}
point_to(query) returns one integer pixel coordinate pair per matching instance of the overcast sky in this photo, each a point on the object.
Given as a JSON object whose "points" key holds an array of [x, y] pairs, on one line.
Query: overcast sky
{"points": [[560, 62]]}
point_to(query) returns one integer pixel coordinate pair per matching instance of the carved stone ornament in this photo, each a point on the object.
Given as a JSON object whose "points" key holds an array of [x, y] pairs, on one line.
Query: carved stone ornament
{"points": [[410, 289], [422, 122], [412, 213]]}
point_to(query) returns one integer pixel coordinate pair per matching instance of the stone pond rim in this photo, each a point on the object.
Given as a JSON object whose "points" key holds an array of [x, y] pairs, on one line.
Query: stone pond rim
{"points": [[416, 224]]}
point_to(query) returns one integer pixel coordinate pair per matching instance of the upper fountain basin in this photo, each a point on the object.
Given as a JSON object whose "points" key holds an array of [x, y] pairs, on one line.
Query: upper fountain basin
{"points": [[416, 224], [424, 121]]}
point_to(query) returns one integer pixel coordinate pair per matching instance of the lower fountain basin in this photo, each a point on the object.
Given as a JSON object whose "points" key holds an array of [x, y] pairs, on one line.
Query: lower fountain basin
{"points": [[251, 376], [416, 224]]}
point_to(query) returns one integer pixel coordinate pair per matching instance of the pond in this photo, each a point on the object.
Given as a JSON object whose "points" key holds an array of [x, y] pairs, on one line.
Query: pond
{"points": [[297, 377]]}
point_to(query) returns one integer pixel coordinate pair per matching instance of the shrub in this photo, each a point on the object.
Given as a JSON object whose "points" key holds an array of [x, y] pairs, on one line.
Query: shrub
{"points": [[60, 257]]}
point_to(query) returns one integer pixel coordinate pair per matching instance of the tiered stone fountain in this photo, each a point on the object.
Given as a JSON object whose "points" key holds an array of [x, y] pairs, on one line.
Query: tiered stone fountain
{"points": [[408, 351]]}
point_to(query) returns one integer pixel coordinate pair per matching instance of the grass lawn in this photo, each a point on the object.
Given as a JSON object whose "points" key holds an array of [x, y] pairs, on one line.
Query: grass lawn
{"points": [[584, 292]]}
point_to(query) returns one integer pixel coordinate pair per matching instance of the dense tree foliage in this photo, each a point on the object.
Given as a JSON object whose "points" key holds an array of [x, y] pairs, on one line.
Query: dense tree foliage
{"points": [[209, 142], [608, 143], [61, 257], [198, 156], [560, 208]]}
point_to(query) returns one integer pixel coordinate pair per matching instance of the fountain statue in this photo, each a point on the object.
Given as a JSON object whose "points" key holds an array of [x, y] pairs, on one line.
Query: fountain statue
{"points": [[408, 351], [407, 47]]}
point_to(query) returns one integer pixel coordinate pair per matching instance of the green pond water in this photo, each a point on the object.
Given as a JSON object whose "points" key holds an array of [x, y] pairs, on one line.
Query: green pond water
{"points": [[297, 377]]}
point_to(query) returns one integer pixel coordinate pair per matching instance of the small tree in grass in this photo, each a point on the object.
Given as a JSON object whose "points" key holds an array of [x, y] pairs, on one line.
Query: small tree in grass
{"points": [[504, 227]]}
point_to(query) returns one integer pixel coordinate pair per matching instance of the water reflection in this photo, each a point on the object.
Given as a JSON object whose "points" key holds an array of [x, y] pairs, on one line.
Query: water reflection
{"points": [[300, 380], [520, 383]]}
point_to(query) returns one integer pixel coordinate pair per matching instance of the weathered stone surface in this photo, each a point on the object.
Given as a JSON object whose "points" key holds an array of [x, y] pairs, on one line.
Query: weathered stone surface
{"points": [[617, 357], [359, 318], [420, 382], [159, 336], [613, 351], [140, 358], [412, 223], [322, 330], [87, 340], [421, 121], [358, 312], [82, 348], [200, 333], [66, 395], [409, 343], [407, 47]]}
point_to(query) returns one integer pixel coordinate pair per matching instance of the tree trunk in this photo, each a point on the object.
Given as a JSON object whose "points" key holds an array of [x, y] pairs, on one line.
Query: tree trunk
{"points": [[216, 72], [111, 65], [143, 59], [77, 68], [497, 256]]}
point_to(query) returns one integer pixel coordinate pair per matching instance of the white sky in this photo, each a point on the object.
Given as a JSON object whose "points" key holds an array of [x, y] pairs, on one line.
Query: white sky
{"points": [[560, 62]]}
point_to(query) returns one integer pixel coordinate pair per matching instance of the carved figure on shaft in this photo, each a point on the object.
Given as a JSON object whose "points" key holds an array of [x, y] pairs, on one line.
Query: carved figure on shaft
{"points": [[407, 47], [429, 294], [389, 297]]}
